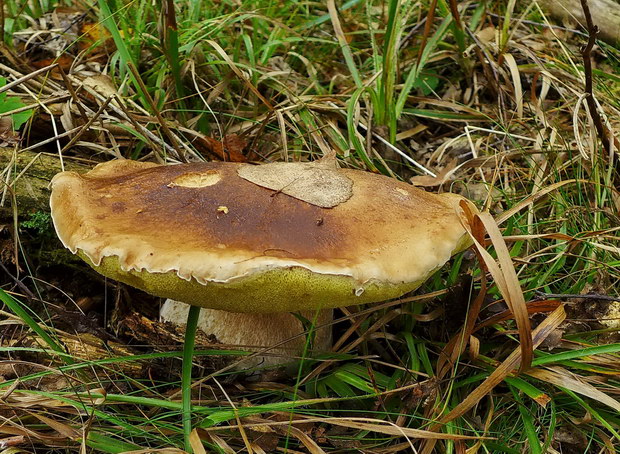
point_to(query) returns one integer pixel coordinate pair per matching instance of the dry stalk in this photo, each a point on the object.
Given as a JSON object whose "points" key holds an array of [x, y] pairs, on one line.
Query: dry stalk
{"points": [[586, 53]]}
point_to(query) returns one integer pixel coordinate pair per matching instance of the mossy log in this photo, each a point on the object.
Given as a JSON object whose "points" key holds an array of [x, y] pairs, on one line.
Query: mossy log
{"points": [[25, 179]]}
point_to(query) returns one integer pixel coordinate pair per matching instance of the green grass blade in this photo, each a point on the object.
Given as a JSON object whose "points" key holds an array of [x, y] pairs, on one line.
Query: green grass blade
{"points": [[416, 69], [574, 354], [123, 51], [17, 308]]}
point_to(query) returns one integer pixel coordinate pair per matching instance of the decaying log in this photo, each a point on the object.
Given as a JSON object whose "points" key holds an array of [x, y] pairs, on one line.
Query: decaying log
{"points": [[25, 179], [605, 14]]}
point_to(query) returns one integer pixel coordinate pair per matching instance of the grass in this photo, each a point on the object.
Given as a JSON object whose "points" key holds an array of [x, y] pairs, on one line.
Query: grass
{"points": [[487, 101]]}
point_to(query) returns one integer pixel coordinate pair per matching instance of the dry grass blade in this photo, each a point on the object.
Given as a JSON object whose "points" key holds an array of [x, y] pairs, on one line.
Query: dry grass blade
{"points": [[500, 373], [87, 125], [430, 17], [304, 438], [369, 424], [533, 198], [342, 41], [561, 377], [506, 280], [586, 53], [516, 80], [27, 77], [196, 443], [533, 307], [224, 447], [62, 429], [503, 370], [240, 74]]}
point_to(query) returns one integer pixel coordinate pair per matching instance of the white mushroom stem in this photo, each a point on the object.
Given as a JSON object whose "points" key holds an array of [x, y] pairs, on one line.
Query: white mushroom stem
{"points": [[255, 332]]}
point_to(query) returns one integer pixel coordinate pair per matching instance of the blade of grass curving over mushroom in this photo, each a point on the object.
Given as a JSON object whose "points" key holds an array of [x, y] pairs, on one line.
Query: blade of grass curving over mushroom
{"points": [[506, 280]]}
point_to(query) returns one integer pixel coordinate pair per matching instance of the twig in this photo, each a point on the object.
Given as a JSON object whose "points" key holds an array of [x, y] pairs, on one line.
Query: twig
{"points": [[430, 17], [88, 123], [27, 77], [586, 53], [74, 95], [19, 283], [12, 441], [593, 296], [164, 125]]}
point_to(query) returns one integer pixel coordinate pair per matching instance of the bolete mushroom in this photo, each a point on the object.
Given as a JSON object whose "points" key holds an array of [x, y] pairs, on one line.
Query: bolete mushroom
{"points": [[274, 238]]}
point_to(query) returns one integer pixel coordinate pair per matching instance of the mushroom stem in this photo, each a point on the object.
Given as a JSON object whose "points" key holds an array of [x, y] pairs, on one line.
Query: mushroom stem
{"points": [[282, 334], [186, 375]]}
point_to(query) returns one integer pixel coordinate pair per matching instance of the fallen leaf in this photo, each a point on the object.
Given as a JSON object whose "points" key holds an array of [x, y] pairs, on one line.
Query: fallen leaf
{"points": [[312, 182]]}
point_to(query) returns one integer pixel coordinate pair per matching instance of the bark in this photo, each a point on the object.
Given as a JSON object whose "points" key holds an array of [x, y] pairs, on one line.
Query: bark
{"points": [[29, 192], [605, 14]]}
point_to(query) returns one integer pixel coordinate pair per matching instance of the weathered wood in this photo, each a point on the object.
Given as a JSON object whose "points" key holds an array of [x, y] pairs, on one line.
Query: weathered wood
{"points": [[28, 192], [605, 14]]}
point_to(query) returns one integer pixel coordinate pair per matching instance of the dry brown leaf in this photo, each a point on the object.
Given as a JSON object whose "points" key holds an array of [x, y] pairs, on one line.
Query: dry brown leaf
{"points": [[312, 182], [486, 35], [102, 84], [229, 151], [10, 442], [8, 137]]}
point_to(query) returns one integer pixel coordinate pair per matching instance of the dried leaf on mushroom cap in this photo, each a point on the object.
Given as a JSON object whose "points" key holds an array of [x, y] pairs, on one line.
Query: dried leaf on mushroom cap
{"points": [[313, 183]]}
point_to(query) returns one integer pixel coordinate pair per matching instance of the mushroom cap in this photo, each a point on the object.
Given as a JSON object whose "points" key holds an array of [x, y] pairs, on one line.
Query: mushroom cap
{"points": [[273, 238]]}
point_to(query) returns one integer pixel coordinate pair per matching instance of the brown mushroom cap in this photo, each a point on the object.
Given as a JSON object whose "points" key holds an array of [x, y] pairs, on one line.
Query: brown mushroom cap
{"points": [[274, 238]]}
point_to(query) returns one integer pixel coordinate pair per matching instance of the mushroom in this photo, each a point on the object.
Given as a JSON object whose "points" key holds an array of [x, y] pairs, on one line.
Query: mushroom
{"points": [[274, 238]]}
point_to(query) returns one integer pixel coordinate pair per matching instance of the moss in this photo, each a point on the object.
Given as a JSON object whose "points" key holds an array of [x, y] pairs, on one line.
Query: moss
{"points": [[278, 290]]}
